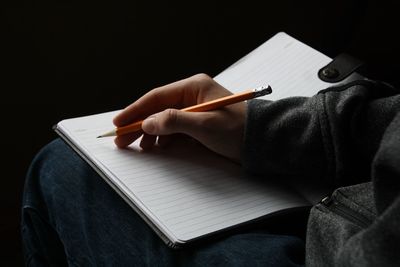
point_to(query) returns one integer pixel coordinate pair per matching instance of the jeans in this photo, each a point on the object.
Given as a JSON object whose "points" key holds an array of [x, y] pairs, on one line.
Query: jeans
{"points": [[70, 216]]}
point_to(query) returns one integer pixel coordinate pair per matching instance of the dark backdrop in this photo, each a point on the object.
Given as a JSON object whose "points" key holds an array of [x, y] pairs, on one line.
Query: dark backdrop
{"points": [[62, 59]]}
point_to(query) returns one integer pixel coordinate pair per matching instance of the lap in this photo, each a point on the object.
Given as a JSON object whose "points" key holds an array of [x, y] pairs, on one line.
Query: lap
{"points": [[96, 227]]}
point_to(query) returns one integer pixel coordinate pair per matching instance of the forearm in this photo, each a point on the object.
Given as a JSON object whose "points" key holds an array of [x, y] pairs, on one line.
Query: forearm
{"points": [[332, 135], [283, 138]]}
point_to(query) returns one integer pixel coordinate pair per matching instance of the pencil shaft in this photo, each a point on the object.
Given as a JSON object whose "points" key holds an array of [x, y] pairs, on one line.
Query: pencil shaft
{"points": [[130, 128], [210, 105], [221, 102]]}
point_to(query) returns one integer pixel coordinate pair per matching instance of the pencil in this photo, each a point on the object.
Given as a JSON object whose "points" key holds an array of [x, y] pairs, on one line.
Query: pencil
{"points": [[206, 106]]}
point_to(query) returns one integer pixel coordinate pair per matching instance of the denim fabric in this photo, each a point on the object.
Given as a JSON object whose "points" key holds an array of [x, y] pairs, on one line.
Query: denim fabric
{"points": [[70, 216]]}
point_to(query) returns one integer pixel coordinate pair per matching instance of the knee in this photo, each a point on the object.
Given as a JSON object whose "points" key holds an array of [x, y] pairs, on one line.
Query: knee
{"points": [[57, 168], [52, 154]]}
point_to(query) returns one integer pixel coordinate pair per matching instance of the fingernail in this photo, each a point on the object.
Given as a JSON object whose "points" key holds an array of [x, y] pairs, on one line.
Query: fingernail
{"points": [[148, 125]]}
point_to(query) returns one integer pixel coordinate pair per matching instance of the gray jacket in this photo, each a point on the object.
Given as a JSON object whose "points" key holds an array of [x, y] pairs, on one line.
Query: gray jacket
{"points": [[347, 137]]}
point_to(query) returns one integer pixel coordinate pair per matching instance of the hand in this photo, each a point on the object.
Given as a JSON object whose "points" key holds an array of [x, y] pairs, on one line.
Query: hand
{"points": [[220, 130]]}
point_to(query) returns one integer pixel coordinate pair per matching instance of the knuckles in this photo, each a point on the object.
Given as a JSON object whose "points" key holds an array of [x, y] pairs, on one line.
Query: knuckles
{"points": [[202, 77], [202, 81]]}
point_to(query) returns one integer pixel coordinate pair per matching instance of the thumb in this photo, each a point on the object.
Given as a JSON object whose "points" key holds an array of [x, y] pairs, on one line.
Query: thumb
{"points": [[172, 121]]}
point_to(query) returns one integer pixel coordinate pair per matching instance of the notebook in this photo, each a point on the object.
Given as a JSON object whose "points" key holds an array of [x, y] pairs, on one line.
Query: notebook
{"points": [[186, 193]]}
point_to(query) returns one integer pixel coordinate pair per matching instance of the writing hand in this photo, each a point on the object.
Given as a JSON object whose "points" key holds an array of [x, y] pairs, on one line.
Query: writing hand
{"points": [[220, 130]]}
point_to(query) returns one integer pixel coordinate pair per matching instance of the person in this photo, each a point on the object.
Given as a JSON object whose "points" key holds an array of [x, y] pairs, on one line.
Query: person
{"points": [[344, 135]]}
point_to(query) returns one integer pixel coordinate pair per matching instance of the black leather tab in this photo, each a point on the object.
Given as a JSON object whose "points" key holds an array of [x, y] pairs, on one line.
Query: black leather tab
{"points": [[339, 68]]}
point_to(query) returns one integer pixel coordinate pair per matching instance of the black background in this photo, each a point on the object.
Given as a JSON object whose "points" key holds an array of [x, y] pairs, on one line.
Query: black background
{"points": [[63, 59]]}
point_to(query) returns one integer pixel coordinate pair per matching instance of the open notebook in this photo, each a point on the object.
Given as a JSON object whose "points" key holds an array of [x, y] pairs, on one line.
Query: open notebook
{"points": [[186, 192]]}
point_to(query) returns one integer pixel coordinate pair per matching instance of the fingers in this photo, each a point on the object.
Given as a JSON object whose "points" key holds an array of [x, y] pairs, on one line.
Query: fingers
{"points": [[148, 141], [175, 95], [171, 121], [166, 123], [125, 140], [165, 140], [148, 104]]}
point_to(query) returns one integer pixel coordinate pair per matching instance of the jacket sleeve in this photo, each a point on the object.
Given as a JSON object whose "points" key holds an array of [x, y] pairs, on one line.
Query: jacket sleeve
{"points": [[331, 136]]}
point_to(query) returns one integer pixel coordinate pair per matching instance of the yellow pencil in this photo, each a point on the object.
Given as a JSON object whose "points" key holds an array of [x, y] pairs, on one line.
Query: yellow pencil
{"points": [[206, 106]]}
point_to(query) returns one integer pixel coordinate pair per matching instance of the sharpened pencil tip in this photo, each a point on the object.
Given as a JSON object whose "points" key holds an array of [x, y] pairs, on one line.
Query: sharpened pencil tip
{"points": [[111, 133]]}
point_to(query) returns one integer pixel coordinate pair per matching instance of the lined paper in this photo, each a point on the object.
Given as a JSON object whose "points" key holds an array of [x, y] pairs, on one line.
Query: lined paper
{"points": [[289, 66], [186, 190]]}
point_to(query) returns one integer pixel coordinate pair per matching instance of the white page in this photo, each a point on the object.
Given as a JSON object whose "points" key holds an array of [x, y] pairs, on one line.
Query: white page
{"points": [[187, 190], [289, 66]]}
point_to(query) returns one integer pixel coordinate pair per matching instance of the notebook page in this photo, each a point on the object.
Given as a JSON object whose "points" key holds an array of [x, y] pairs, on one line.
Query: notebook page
{"points": [[186, 190], [289, 66]]}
